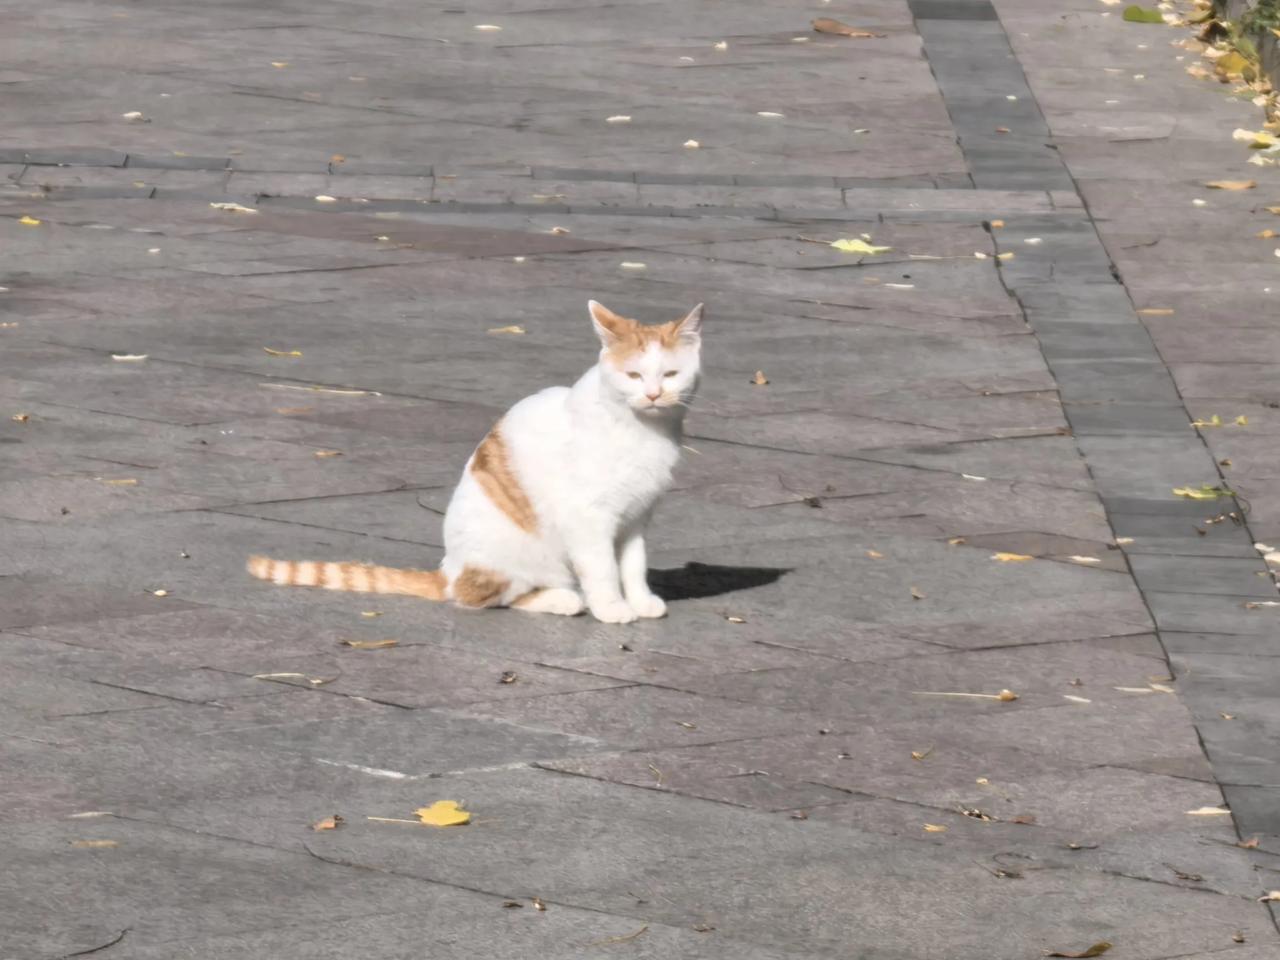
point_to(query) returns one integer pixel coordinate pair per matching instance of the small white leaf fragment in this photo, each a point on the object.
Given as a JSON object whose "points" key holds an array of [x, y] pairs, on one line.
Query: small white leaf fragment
{"points": [[160, 593], [970, 476], [1033, 241], [618, 118], [133, 115], [900, 286], [1078, 559], [693, 144], [1124, 540], [1135, 689], [632, 265], [487, 26], [1209, 812], [1199, 203], [514, 328], [769, 114], [722, 45], [325, 198], [233, 207], [128, 357], [1075, 699], [153, 250]]}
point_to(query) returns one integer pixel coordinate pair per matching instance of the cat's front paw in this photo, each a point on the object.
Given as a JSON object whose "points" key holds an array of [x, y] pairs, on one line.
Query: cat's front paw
{"points": [[649, 606], [613, 611]]}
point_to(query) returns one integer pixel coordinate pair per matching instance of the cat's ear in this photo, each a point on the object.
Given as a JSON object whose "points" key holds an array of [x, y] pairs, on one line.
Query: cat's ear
{"points": [[690, 328], [610, 327]]}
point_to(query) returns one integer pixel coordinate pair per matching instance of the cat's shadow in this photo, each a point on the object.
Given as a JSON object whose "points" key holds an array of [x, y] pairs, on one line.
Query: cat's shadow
{"points": [[695, 580]]}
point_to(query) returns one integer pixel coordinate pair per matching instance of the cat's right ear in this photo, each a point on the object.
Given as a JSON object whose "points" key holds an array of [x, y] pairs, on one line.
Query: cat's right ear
{"points": [[610, 327]]}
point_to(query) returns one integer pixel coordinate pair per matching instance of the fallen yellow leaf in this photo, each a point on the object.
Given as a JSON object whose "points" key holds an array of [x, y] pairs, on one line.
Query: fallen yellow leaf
{"points": [[760, 379], [916, 594], [934, 828], [443, 813], [122, 482], [997, 224], [369, 644], [826, 25], [875, 554], [1232, 184], [370, 613], [1011, 557], [514, 328], [95, 844], [1266, 234], [328, 823], [857, 245], [1205, 492], [283, 353], [279, 64], [28, 221], [1241, 421], [21, 417], [1213, 421], [1257, 139], [1156, 311], [921, 754]]}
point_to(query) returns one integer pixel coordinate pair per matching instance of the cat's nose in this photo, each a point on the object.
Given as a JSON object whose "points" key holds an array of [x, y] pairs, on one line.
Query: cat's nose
{"points": [[652, 395]]}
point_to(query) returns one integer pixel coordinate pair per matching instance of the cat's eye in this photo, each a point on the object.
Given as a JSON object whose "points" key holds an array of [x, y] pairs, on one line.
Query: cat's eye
{"points": [[671, 373], [634, 375]]}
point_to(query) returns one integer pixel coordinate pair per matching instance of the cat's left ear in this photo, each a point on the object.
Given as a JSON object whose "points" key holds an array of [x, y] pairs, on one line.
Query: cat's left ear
{"points": [[690, 328]]}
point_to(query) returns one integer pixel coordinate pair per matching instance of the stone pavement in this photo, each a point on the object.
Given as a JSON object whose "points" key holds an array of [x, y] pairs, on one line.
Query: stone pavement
{"points": [[769, 772]]}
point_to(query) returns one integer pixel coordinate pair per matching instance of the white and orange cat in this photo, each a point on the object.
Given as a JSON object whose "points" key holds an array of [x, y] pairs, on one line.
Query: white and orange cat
{"points": [[550, 513]]}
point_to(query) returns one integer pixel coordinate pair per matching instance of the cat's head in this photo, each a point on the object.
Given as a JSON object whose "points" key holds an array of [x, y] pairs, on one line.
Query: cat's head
{"points": [[653, 368]]}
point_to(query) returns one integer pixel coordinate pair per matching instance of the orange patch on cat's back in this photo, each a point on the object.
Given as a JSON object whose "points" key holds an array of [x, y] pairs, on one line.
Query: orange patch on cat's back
{"points": [[491, 466], [478, 587]]}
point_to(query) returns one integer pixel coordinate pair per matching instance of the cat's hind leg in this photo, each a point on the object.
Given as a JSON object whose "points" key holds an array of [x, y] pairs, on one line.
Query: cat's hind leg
{"points": [[559, 600]]}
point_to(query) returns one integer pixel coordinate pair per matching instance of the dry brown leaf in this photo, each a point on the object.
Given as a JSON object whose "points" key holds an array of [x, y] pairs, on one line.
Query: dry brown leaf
{"points": [[732, 619], [1270, 895], [997, 224], [508, 676], [283, 353], [369, 644], [20, 417], [1232, 184], [327, 453], [1156, 311], [328, 823], [1266, 234], [1097, 950], [1024, 818], [956, 541], [921, 754], [760, 380], [875, 554], [934, 828], [95, 844], [538, 904], [337, 158], [1249, 844], [826, 25]]}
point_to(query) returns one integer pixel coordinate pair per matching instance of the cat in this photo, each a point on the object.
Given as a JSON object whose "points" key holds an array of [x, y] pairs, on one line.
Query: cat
{"points": [[551, 510]]}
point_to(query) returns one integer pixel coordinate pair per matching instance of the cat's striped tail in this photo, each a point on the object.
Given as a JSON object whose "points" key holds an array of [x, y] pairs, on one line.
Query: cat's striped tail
{"points": [[352, 577]]}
